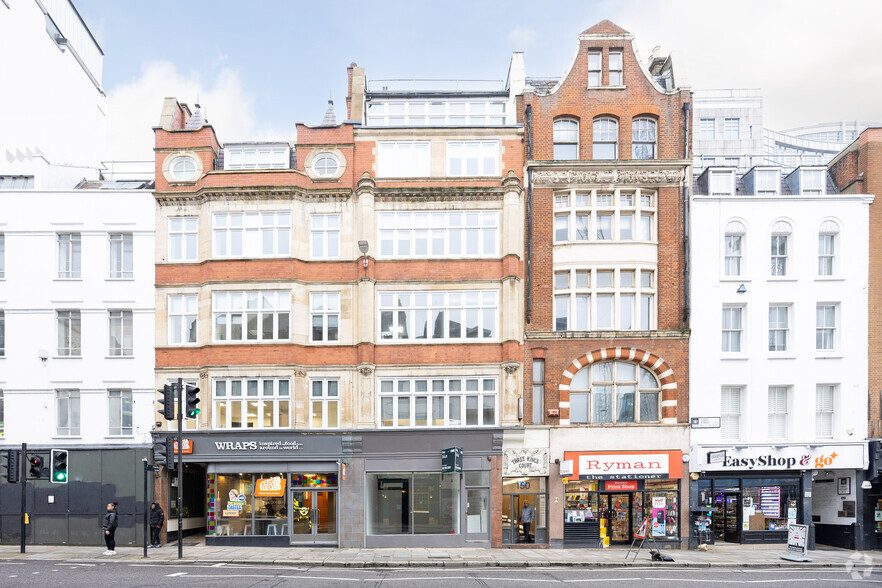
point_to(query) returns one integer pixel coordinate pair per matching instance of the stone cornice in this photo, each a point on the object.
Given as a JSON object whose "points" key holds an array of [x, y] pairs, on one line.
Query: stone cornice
{"points": [[210, 194], [441, 193], [605, 173], [630, 335]]}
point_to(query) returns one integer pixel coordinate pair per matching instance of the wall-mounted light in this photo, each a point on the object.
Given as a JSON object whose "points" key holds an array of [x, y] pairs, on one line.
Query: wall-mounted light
{"points": [[742, 289]]}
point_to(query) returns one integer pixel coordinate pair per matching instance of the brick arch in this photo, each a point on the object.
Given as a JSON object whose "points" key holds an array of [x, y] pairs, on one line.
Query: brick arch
{"points": [[650, 361]]}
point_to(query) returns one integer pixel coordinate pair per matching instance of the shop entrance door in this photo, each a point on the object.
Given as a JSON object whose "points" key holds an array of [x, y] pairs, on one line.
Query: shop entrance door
{"points": [[313, 517], [727, 517], [616, 508]]}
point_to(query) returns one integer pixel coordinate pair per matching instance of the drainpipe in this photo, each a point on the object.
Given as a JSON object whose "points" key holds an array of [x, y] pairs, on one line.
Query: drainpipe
{"points": [[528, 266], [687, 185]]}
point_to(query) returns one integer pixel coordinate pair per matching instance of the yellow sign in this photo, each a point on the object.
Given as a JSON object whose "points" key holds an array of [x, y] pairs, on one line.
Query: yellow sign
{"points": [[270, 487]]}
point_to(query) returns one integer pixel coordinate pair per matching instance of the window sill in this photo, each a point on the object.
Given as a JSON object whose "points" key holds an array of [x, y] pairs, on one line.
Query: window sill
{"points": [[781, 279], [781, 357], [735, 279], [67, 279], [67, 437], [829, 279], [120, 279], [606, 87], [119, 437], [734, 356], [832, 355], [180, 261], [67, 357], [119, 357], [249, 342]]}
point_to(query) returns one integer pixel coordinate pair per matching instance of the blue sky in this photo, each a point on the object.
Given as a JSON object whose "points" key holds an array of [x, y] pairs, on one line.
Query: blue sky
{"points": [[261, 66]]}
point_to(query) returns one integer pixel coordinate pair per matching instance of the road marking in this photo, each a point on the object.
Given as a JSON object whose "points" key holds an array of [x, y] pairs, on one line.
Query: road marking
{"points": [[616, 579], [423, 578], [176, 575], [515, 579], [267, 576]]}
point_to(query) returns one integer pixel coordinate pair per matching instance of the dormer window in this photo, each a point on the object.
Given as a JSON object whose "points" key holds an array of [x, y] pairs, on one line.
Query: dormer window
{"points": [[767, 182], [615, 68], [722, 182], [812, 181]]}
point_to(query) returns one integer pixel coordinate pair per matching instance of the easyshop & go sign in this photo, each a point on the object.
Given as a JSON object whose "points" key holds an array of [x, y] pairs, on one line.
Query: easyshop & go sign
{"points": [[795, 457]]}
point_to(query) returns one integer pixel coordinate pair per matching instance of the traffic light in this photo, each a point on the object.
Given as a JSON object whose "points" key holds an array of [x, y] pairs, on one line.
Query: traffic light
{"points": [[164, 452], [36, 470], [58, 466], [12, 457], [168, 402], [192, 401]]}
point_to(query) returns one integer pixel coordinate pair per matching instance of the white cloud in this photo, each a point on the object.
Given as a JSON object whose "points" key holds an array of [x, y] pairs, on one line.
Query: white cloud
{"points": [[813, 63], [134, 108], [522, 36]]}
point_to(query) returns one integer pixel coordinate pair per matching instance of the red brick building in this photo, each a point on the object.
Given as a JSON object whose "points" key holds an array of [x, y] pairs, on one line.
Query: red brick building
{"points": [[606, 336]]}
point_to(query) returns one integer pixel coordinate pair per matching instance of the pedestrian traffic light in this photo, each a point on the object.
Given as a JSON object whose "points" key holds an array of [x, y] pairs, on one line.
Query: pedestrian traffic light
{"points": [[36, 470], [163, 452], [12, 457], [192, 401], [58, 466], [167, 401]]}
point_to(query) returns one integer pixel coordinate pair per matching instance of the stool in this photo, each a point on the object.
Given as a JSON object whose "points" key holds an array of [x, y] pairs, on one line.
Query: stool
{"points": [[247, 530], [271, 530], [223, 530], [284, 530]]}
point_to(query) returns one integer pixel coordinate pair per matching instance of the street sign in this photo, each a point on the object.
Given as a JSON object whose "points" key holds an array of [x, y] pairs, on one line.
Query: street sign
{"points": [[704, 422], [451, 460], [716, 456]]}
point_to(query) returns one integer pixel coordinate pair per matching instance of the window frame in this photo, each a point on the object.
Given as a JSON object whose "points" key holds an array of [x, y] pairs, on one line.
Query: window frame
{"points": [[736, 257], [433, 391], [121, 245], [601, 137], [123, 395], [826, 327], [565, 138], [779, 254], [120, 328], [69, 249], [65, 321], [594, 211], [188, 237], [774, 413], [227, 399], [714, 185], [733, 334], [638, 141], [826, 408], [72, 408], [578, 306], [391, 302], [707, 130], [727, 415], [249, 236], [732, 129], [443, 234], [487, 164], [619, 71], [188, 320], [223, 301], [415, 164], [780, 343], [324, 400], [182, 160], [828, 260], [324, 231], [595, 71], [587, 396], [325, 312]]}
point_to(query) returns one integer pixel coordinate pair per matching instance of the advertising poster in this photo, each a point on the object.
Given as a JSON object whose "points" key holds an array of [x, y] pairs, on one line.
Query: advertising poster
{"points": [[770, 501], [658, 516]]}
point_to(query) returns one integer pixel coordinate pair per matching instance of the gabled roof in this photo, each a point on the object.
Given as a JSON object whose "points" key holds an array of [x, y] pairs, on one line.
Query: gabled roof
{"points": [[605, 27]]}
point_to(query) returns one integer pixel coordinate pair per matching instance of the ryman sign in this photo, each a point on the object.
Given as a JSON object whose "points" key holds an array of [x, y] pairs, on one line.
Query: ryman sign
{"points": [[625, 465], [525, 462]]}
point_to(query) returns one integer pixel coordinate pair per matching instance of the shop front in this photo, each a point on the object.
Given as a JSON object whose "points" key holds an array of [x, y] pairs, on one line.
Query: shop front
{"points": [[751, 494], [610, 494], [525, 489]]}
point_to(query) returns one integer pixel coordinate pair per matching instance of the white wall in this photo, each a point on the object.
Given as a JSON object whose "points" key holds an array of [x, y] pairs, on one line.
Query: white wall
{"points": [[826, 500], [801, 367], [49, 104], [30, 294]]}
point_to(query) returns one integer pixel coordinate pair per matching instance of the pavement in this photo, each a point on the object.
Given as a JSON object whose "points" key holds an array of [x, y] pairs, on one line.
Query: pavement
{"points": [[195, 550]]}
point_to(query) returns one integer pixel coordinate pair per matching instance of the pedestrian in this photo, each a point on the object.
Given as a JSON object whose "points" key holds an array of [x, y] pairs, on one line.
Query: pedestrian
{"points": [[527, 516], [157, 517], [109, 525]]}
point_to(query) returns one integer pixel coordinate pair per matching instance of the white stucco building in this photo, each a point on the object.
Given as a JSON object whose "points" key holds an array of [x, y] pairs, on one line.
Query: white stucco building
{"points": [[778, 351], [53, 110]]}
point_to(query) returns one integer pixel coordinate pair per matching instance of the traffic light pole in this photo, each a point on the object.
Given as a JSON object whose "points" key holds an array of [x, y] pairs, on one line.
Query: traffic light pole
{"points": [[23, 478], [180, 392]]}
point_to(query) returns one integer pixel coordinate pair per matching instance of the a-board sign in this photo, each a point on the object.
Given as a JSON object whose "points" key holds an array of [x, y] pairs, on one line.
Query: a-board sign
{"points": [[796, 539], [644, 528]]}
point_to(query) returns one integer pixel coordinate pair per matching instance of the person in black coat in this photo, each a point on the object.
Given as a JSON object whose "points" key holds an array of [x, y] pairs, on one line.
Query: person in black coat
{"points": [[111, 520], [157, 517]]}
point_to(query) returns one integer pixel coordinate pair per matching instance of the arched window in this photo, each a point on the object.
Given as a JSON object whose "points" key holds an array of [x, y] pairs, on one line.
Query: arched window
{"points": [[614, 392], [734, 248], [643, 138], [780, 247], [606, 137], [566, 139], [827, 245]]}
